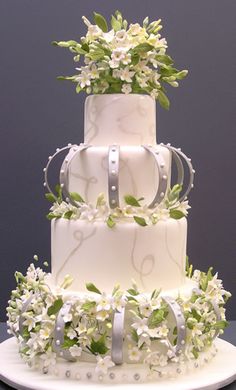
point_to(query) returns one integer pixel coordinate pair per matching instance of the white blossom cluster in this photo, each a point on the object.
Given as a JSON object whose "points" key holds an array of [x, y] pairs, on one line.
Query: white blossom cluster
{"points": [[141, 214], [149, 338], [128, 58]]}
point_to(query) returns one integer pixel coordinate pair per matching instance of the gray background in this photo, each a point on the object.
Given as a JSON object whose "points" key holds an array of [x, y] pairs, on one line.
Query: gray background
{"points": [[39, 113]]}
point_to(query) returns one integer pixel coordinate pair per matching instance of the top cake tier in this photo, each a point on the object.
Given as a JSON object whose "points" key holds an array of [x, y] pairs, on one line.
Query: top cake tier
{"points": [[120, 119]]}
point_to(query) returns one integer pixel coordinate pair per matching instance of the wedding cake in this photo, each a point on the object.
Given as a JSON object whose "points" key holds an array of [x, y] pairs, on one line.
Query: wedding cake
{"points": [[122, 304]]}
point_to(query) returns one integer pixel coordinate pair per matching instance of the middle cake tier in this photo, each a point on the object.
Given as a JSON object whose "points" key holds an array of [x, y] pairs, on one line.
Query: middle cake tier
{"points": [[154, 256]]}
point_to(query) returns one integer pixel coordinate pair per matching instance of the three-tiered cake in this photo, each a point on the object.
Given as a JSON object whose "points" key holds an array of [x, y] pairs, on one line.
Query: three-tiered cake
{"points": [[122, 304]]}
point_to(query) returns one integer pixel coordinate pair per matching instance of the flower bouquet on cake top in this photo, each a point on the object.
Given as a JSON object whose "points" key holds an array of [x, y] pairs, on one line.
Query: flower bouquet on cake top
{"points": [[121, 304]]}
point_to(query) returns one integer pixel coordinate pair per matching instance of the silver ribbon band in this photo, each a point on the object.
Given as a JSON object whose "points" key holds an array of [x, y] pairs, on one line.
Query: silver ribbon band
{"points": [[117, 336], [162, 172], [177, 156], [58, 338], [64, 172], [25, 306], [176, 310], [113, 176]]}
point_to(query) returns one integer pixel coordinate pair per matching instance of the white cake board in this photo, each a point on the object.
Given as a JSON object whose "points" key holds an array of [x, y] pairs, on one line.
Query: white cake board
{"points": [[220, 372]]}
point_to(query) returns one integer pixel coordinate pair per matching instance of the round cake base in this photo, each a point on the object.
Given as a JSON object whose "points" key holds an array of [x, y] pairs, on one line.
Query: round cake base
{"points": [[220, 372]]}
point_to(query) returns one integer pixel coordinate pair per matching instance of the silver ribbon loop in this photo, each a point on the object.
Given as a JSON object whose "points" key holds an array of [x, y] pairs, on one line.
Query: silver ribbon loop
{"points": [[24, 309], [180, 323], [162, 172], [177, 156], [117, 336], [64, 172], [113, 175], [59, 330]]}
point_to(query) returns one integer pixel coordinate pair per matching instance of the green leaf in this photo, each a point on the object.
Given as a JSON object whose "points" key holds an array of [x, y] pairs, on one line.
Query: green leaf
{"points": [[181, 75], [221, 324], [80, 50], [76, 197], [131, 200], [132, 291], [134, 335], [68, 342], [99, 346], [26, 333], [143, 48], [174, 193], [140, 221], [176, 214], [115, 24], [64, 43], [59, 192], [51, 216], [68, 214], [155, 293], [163, 100], [165, 59], [156, 317], [195, 353], [209, 274], [91, 287], [100, 21], [50, 197], [54, 309], [110, 222], [87, 306]]}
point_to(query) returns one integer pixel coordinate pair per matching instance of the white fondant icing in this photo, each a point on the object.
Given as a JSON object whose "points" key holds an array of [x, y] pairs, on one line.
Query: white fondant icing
{"points": [[120, 119], [138, 174], [153, 255]]}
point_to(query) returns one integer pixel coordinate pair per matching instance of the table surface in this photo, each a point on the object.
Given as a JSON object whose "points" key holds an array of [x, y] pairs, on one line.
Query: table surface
{"points": [[229, 335]]}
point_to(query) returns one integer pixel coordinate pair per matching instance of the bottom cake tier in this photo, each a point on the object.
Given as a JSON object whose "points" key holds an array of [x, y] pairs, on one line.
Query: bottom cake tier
{"points": [[121, 336]]}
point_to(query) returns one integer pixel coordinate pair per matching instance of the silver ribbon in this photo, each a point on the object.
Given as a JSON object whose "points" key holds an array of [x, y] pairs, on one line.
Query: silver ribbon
{"points": [[162, 171], [25, 306], [117, 336], [180, 323], [113, 175], [64, 172], [58, 338], [177, 156]]}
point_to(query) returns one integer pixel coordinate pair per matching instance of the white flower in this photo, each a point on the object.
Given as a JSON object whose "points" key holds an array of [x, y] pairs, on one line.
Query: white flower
{"points": [[154, 94], [134, 354], [119, 302], [75, 350], [84, 79], [126, 88], [121, 36], [88, 211], [82, 327], [140, 325], [145, 307], [160, 332], [116, 73], [104, 302], [103, 364], [102, 315], [46, 332], [94, 73], [30, 321], [71, 333], [126, 75], [156, 303], [93, 32], [127, 59], [118, 55], [135, 29], [49, 358]]}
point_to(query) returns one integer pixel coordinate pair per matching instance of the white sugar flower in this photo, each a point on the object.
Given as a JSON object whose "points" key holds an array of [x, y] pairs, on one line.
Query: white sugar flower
{"points": [[84, 79], [71, 334], [30, 321], [135, 29], [93, 32], [134, 354], [118, 55], [82, 327], [103, 364], [102, 315], [145, 307], [154, 94], [119, 302], [46, 332], [127, 59], [94, 73], [140, 325], [116, 73], [121, 36], [75, 350], [142, 81], [155, 303], [126, 75], [87, 211], [126, 88], [104, 302]]}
